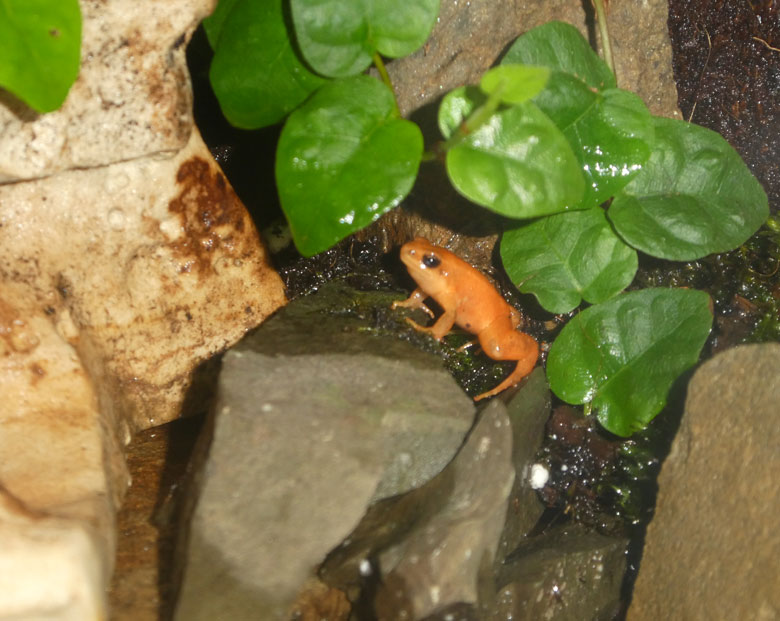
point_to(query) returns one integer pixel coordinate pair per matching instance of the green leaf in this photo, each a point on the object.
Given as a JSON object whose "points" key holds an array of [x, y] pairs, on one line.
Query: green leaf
{"points": [[516, 83], [456, 106], [560, 46], [256, 73], [565, 258], [214, 22], [343, 159], [612, 138], [624, 355], [517, 163], [694, 196], [338, 38], [40, 46], [565, 99]]}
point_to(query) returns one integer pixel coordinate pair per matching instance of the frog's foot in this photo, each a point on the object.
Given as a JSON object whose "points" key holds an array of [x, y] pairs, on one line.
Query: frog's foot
{"points": [[416, 300]]}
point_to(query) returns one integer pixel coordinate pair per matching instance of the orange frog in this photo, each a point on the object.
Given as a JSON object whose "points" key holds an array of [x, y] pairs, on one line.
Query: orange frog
{"points": [[469, 300]]}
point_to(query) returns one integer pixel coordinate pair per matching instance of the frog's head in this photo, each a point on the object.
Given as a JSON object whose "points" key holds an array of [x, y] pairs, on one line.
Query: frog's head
{"points": [[427, 264]]}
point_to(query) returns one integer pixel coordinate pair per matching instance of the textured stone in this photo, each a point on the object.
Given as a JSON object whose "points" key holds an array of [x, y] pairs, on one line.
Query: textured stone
{"points": [[447, 558], [528, 411], [567, 573], [61, 471], [713, 544], [50, 568], [304, 441], [125, 256], [132, 97], [127, 260], [470, 36]]}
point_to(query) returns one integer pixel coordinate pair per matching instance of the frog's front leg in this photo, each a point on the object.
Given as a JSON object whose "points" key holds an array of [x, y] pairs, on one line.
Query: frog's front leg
{"points": [[416, 300]]}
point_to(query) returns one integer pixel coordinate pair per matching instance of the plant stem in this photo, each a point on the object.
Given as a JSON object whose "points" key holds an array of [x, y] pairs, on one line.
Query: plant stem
{"points": [[380, 67], [606, 47]]}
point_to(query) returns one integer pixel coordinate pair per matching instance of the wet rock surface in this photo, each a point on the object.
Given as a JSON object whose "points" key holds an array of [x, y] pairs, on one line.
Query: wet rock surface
{"points": [[713, 544], [568, 573], [304, 440], [347, 470]]}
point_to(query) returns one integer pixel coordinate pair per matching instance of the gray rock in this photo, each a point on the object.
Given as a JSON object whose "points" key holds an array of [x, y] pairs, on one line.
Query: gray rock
{"points": [[712, 549], [566, 573], [303, 443], [388, 524], [528, 412], [447, 558]]}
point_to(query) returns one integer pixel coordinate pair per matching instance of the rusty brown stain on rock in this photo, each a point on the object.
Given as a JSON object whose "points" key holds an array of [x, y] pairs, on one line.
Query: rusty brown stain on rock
{"points": [[212, 217], [38, 373]]}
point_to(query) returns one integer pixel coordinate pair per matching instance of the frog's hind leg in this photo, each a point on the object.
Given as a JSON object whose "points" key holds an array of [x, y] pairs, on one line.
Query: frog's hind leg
{"points": [[524, 349]]}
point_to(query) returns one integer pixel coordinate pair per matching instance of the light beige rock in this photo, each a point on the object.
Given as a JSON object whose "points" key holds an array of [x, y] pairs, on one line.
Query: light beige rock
{"points": [[131, 98], [56, 454], [61, 472], [50, 568], [145, 267], [126, 259]]}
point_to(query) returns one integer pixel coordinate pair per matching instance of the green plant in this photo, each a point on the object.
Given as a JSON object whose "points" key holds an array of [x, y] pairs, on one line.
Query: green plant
{"points": [[40, 42], [588, 174]]}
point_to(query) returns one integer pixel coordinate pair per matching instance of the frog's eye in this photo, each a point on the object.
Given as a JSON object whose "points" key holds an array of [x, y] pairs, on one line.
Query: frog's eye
{"points": [[431, 260]]}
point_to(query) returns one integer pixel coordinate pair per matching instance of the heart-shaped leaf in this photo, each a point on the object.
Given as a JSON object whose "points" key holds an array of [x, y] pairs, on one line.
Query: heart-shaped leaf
{"points": [[40, 46], [343, 159], [567, 257], [623, 356], [694, 196], [560, 46], [256, 73], [611, 132], [338, 38], [517, 163]]}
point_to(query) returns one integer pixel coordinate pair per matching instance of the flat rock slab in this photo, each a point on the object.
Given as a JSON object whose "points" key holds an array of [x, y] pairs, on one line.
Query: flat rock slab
{"points": [[302, 444], [714, 545]]}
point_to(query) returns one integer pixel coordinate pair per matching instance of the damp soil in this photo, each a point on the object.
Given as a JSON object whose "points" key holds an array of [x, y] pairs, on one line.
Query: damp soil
{"points": [[726, 57]]}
